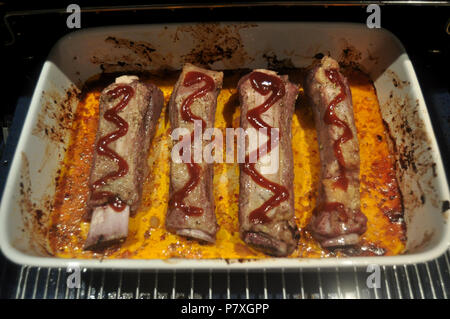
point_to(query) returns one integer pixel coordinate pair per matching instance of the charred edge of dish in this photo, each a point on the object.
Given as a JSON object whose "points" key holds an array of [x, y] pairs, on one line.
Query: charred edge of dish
{"points": [[273, 62], [57, 109], [102, 252], [231, 261], [396, 80], [361, 250], [350, 57], [138, 47], [72, 94], [445, 206], [391, 140], [422, 199], [141, 54], [103, 246], [394, 216], [347, 68], [106, 67], [55, 132], [433, 165], [407, 154], [208, 51], [57, 178], [38, 213], [399, 216]]}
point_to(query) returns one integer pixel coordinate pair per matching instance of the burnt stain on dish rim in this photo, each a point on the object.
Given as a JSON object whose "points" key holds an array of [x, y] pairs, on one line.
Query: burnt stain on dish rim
{"points": [[56, 115], [409, 144], [52, 125], [138, 55], [213, 42], [140, 48], [273, 62], [396, 80]]}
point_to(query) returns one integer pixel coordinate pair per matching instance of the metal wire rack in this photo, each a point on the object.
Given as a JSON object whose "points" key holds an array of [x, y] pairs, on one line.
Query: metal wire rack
{"points": [[429, 280]]}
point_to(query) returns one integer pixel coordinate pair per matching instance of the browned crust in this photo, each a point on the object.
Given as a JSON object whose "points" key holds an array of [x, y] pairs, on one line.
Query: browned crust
{"points": [[280, 236], [334, 228], [202, 227], [142, 114]]}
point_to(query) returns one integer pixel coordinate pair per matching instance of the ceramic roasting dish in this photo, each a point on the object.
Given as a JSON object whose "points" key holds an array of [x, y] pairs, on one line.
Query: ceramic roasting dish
{"points": [[77, 57]]}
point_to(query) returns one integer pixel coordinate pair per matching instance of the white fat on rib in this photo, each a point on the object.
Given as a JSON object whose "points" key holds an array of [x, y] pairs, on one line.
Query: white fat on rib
{"points": [[107, 225], [126, 79]]}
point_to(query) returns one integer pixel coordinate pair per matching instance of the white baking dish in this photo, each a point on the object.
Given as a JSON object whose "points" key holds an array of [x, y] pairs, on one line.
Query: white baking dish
{"points": [[76, 57]]}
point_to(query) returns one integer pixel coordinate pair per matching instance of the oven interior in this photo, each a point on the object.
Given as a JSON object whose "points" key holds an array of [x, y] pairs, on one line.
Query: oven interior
{"points": [[25, 47]]}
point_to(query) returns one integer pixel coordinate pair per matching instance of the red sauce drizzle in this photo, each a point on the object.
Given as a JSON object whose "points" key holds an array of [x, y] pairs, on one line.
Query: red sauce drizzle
{"points": [[264, 84], [102, 148], [331, 118], [190, 79]]}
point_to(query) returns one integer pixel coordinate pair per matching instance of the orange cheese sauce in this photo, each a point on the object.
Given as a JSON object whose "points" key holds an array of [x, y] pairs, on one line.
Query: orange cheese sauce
{"points": [[148, 238]]}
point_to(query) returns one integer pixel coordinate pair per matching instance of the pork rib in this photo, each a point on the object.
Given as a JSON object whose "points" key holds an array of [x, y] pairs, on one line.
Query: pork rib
{"points": [[337, 220], [191, 205], [266, 200], [129, 112]]}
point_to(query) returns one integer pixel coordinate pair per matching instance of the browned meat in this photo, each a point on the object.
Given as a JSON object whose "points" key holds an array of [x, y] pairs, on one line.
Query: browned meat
{"points": [[266, 199], [338, 220], [129, 111], [191, 204]]}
